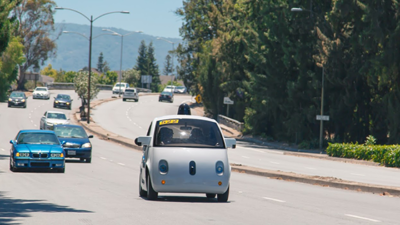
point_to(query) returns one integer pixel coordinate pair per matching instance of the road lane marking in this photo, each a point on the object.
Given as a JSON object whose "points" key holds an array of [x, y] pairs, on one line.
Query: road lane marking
{"points": [[310, 168], [121, 164], [274, 162], [357, 174], [362, 218], [2, 149], [35, 125], [102, 158], [31, 121], [273, 199], [111, 160], [245, 157]]}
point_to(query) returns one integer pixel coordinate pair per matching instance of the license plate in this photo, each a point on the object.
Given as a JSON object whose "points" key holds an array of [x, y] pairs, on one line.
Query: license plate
{"points": [[71, 152]]}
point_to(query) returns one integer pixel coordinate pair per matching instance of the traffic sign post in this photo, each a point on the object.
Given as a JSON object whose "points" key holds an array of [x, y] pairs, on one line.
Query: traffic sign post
{"points": [[228, 102], [198, 98]]}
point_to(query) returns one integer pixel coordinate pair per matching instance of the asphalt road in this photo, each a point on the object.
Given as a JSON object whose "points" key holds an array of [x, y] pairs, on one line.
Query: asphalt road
{"points": [[106, 192], [131, 119]]}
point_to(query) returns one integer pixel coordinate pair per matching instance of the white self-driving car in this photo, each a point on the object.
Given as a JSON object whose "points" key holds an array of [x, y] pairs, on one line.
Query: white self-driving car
{"points": [[185, 154]]}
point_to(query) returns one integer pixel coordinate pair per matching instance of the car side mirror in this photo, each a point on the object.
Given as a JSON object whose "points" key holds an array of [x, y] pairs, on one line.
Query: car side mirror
{"points": [[63, 142], [90, 136], [143, 140], [11, 142], [137, 142], [230, 142]]}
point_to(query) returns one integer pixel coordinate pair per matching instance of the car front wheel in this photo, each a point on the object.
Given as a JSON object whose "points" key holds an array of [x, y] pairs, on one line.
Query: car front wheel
{"points": [[142, 193], [89, 160], [223, 197], [210, 195], [151, 194]]}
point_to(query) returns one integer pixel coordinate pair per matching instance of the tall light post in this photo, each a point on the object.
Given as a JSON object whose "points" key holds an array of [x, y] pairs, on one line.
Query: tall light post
{"points": [[122, 43], [91, 20], [321, 118], [173, 49]]}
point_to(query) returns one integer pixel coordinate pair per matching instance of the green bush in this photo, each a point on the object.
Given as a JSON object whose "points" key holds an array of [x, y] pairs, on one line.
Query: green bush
{"points": [[388, 155]]}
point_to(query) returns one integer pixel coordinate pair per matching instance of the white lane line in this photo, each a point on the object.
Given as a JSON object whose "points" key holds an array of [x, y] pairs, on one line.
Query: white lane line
{"points": [[362, 218], [140, 127], [274, 162], [102, 158], [34, 108], [245, 157], [32, 111], [121, 164], [310, 168], [273, 199], [111, 160], [35, 125], [2, 149], [357, 174], [31, 121]]}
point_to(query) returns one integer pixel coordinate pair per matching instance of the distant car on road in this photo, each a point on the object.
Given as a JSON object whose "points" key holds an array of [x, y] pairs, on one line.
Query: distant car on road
{"points": [[169, 88], [120, 88], [36, 149], [41, 92], [180, 90], [185, 154], [166, 96], [62, 101], [76, 141], [51, 118], [17, 98], [130, 94]]}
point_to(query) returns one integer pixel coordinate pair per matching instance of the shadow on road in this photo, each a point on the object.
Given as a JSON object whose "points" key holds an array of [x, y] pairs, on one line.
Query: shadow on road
{"points": [[190, 199], [13, 210]]}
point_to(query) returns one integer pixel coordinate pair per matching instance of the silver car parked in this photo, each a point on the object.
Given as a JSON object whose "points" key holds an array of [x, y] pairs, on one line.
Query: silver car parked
{"points": [[130, 94]]}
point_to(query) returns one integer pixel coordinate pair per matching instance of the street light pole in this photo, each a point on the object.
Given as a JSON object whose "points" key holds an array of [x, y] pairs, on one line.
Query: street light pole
{"points": [[91, 20], [173, 49], [122, 43]]}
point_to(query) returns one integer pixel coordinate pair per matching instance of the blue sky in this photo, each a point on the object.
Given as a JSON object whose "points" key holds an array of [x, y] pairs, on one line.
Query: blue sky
{"points": [[153, 17]]}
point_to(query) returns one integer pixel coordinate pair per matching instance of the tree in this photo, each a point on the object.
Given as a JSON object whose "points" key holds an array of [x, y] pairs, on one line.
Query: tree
{"points": [[49, 71], [168, 65], [9, 61], [131, 77], [81, 86], [35, 24], [100, 63], [70, 76], [141, 60], [153, 68], [111, 77]]}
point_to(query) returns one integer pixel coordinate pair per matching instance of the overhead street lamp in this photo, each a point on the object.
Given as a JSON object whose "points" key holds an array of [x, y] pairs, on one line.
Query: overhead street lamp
{"points": [[122, 43], [173, 49], [321, 126], [91, 20]]}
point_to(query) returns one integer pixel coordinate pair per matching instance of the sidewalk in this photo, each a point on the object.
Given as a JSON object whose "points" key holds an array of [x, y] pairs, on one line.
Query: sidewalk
{"points": [[93, 128]]}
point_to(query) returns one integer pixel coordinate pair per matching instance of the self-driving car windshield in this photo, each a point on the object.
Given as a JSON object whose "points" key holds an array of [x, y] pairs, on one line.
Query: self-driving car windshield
{"points": [[188, 133], [38, 138], [16, 95], [70, 132]]}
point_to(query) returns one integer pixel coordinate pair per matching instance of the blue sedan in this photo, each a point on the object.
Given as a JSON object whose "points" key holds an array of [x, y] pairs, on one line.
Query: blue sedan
{"points": [[37, 149], [75, 141]]}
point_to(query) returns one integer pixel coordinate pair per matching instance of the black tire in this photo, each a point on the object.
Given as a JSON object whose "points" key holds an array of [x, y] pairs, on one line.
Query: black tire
{"points": [[151, 194], [223, 197], [124, 99], [89, 160], [61, 170], [142, 193], [81, 159], [25, 105], [11, 167], [70, 107], [54, 106], [210, 195], [9, 106]]}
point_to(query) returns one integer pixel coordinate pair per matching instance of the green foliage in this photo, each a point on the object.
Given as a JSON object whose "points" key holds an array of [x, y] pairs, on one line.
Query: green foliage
{"points": [[131, 77], [49, 71], [69, 76], [81, 86], [388, 155], [370, 140]]}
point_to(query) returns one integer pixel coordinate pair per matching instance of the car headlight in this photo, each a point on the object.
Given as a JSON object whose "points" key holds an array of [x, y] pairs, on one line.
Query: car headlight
{"points": [[56, 155], [22, 154], [56, 101], [219, 167], [87, 145], [23, 100], [10, 99], [163, 166], [67, 103]]}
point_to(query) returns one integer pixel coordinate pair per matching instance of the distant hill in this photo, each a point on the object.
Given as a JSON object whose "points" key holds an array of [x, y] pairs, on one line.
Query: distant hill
{"points": [[73, 49]]}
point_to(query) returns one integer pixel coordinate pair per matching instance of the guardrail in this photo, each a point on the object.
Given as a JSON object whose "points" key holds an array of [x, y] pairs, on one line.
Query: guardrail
{"points": [[71, 86], [230, 122]]}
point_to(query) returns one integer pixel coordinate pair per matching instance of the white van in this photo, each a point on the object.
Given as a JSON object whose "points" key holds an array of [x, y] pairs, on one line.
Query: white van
{"points": [[120, 88]]}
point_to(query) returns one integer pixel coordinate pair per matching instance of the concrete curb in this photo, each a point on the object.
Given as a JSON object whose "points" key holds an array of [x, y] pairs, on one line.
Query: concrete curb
{"points": [[318, 180], [279, 175]]}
